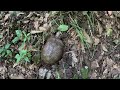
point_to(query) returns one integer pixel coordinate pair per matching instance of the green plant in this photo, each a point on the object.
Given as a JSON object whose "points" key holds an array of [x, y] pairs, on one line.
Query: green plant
{"points": [[79, 31], [63, 27], [76, 76], [24, 53], [84, 72], [4, 51]]}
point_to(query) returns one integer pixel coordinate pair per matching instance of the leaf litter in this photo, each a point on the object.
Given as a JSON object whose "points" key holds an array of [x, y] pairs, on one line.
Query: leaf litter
{"points": [[102, 65]]}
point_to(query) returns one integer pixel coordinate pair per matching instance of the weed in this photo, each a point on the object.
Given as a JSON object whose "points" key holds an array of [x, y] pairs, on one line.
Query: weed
{"points": [[76, 76], [63, 28], [79, 31], [84, 72], [23, 54], [4, 51]]}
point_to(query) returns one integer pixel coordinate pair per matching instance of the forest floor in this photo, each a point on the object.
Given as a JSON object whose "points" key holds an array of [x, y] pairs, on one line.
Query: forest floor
{"points": [[92, 44]]}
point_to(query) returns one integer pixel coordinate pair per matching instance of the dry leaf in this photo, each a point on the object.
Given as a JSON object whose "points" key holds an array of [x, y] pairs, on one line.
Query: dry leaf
{"points": [[26, 21], [100, 29], [54, 13], [48, 75], [32, 66], [104, 48], [96, 41], [74, 59], [15, 65], [46, 26], [42, 73], [34, 32], [117, 55], [82, 47], [46, 17], [18, 13], [36, 25], [41, 19], [42, 29], [88, 39], [105, 71], [6, 17], [109, 13], [93, 75], [110, 62], [94, 64], [16, 76], [30, 14]]}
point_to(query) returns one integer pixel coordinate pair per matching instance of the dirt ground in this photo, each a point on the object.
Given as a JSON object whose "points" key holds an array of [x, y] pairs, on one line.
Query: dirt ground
{"points": [[101, 59]]}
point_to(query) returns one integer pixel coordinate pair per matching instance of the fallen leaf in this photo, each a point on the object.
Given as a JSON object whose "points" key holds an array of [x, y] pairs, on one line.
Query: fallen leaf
{"points": [[110, 62], [93, 75], [19, 13], [34, 32], [105, 71], [94, 64], [82, 47], [42, 29], [116, 41], [100, 29], [42, 73], [109, 13], [117, 55], [30, 14], [32, 66], [6, 17], [96, 41], [88, 39], [46, 17], [16, 76], [46, 26], [36, 25], [54, 13], [74, 59], [41, 19], [104, 48], [26, 21], [48, 75], [15, 65]]}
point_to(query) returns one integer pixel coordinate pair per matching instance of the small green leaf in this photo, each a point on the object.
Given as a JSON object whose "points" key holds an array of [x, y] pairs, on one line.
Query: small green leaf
{"points": [[28, 34], [29, 55], [9, 53], [109, 32], [1, 49], [7, 46], [28, 39], [1, 36], [26, 59], [19, 33], [23, 53], [15, 40], [63, 27], [24, 40], [3, 53], [84, 73], [18, 58], [24, 33]]}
